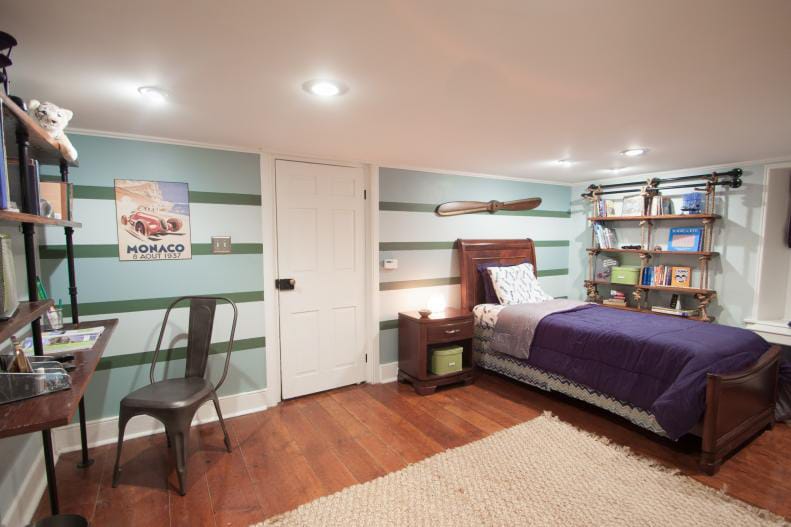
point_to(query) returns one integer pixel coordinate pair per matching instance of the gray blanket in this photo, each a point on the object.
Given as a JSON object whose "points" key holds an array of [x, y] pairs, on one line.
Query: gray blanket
{"points": [[516, 325]]}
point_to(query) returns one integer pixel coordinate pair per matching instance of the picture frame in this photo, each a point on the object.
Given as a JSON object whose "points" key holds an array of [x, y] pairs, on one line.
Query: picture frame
{"points": [[681, 276], [685, 239]]}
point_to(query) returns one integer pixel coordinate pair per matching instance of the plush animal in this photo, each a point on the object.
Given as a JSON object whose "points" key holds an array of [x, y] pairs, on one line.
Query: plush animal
{"points": [[54, 119]]}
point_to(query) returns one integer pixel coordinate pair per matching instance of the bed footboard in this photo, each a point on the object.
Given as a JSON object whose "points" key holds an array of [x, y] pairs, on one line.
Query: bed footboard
{"points": [[738, 406]]}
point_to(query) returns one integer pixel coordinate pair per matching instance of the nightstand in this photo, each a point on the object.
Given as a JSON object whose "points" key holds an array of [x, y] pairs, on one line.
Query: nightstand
{"points": [[417, 336]]}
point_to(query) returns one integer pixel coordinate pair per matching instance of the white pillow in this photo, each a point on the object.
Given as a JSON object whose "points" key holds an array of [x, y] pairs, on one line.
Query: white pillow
{"points": [[517, 285]]}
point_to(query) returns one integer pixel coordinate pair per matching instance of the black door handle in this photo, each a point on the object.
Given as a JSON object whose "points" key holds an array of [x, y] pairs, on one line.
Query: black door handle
{"points": [[285, 284]]}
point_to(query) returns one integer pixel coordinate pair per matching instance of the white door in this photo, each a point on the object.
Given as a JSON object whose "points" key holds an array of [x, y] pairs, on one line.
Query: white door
{"points": [[320, 245]]}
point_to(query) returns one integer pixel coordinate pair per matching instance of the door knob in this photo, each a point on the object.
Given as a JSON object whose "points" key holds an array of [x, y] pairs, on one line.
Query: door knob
{"points": [[285, 284]]}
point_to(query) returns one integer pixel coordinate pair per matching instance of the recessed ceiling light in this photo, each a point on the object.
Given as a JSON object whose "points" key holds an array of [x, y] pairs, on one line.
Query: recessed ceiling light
{"points": [[153, 94], [617, 170], [634, 152], [565, 162], [325, 88]]}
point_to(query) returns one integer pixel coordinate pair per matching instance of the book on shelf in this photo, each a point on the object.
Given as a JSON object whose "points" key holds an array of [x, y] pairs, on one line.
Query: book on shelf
{"points": [[614, 302], [661, 205], [676, 312], [633, 205], [667, 276], [604, 208], [603, 268], [66, 341], [685, 239], [605, 237], [681, 276]]}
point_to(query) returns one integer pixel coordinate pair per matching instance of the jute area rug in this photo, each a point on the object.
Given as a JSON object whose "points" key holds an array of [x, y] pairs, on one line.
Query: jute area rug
{"points": [[542, 472]]}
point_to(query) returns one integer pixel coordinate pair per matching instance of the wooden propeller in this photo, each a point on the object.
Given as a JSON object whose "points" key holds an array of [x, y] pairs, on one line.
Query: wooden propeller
{"points": [[454, 208]]}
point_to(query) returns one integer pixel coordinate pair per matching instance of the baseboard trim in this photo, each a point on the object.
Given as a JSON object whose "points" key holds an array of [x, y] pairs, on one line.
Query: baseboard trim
{"points": [[105, 431], [22, 508], [388, 372]]}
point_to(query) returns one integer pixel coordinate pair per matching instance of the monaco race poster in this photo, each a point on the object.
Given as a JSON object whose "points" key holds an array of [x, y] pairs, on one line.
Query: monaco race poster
{"points": [[153, 220]]}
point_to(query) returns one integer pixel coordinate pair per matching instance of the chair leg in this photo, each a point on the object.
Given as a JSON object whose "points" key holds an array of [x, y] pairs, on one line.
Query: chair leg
{"points": [[181, 444], [123, 418], [222, 422]]}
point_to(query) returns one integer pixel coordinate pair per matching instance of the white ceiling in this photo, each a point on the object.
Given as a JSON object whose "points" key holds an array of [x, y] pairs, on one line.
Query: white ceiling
{"points": [[501, 87]]}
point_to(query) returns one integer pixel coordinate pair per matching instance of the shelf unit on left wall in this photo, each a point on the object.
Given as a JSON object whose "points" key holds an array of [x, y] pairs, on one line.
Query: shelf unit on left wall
{"points": [[24, 140]]}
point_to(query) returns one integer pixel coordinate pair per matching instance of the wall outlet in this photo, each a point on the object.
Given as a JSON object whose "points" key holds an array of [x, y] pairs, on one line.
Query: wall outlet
{"points": [[221, 245], [390, 263]]}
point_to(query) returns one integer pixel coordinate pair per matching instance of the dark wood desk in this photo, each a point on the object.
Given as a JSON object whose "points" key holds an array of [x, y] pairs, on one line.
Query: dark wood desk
{"points": [[56, 409]]}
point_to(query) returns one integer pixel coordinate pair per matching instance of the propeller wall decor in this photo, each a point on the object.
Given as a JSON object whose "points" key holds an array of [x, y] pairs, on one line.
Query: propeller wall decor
{"points": [[454, 208]]}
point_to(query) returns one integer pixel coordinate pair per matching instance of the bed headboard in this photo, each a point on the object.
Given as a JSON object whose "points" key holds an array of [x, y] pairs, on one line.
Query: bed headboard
{"points": [[474, 252]]}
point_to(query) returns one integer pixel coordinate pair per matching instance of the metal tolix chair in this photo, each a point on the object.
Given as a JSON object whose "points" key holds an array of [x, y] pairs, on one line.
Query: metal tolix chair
{"points": [[174, 402]]}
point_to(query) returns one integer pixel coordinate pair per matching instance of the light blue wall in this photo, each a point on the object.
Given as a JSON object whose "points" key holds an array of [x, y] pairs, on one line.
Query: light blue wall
{"points": [[423, 242], [225, 195]]}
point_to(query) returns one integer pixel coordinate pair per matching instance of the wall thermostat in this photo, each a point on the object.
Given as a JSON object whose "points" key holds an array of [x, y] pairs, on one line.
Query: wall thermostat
{"points": [[390, 263]]}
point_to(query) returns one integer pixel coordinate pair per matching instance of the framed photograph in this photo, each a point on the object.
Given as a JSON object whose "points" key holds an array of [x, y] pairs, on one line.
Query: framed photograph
{"points": [[153, 219], [633, 205], [680, 276], [685, 239]]}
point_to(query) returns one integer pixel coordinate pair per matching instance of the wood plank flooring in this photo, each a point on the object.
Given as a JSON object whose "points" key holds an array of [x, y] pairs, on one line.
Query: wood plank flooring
{"points": [[316, 445]]}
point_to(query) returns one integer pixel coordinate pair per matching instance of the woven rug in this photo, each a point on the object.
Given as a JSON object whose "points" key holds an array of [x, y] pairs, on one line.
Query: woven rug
{"points": [[542, 472]]}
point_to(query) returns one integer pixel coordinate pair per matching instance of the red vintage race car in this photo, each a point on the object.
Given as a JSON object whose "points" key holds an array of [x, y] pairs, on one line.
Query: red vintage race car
{"points": [[149, 223]]}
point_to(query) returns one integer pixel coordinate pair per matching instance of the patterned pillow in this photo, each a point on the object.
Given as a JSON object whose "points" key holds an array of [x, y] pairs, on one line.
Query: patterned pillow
{"points": [[517, 285]]}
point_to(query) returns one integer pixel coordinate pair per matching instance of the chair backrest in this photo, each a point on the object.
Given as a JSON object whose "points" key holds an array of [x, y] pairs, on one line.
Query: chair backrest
{"points": [[199, 332]]}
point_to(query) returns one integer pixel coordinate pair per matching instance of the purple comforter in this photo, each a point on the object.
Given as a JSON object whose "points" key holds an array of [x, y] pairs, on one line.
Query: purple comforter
{"points": [[658, 364]]}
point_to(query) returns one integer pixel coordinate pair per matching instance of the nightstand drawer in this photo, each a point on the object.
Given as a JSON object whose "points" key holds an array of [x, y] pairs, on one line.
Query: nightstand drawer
{"points": [[448, 332]]}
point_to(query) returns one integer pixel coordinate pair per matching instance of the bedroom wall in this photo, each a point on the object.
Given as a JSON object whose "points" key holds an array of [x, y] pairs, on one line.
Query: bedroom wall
{"points": [[225, 199], [736, 238], [423, 242]]}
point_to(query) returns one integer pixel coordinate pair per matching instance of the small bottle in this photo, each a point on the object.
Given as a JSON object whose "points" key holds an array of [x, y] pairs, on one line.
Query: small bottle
{"points": [[21, 364]]}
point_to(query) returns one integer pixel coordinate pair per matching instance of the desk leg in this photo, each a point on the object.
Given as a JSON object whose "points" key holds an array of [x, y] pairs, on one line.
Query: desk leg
{"points": [[86, 461], [49, 465]]}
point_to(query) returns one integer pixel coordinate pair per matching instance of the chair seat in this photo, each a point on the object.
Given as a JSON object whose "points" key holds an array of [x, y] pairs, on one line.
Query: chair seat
{"points": [[170, 393]]}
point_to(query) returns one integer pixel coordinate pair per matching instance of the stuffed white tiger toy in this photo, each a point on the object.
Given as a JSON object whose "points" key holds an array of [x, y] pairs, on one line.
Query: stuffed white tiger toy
{"points": [[53, 119]]}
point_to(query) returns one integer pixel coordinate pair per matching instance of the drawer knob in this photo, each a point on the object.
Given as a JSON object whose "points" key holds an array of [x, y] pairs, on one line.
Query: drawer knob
{"points": [[452, 331]]}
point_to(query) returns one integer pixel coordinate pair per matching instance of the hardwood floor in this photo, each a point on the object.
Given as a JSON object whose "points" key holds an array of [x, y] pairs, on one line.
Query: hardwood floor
{"points": [[319, 444]]}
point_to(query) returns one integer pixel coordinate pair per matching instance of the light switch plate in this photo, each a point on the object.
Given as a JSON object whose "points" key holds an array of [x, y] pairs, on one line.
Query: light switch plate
{"points": [[221, 245]]}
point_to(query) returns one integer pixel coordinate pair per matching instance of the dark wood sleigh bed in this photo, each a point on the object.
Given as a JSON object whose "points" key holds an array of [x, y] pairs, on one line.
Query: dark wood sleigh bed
{"points": [[739, 405]]}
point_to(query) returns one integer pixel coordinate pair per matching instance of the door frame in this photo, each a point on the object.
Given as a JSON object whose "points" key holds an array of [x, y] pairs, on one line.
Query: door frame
{"points": [[274, 386]]}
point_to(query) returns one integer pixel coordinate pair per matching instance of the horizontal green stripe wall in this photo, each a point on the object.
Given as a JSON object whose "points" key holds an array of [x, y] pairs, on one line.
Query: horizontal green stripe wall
{"points": [[57, 252], [165, 355], [432, 246], [228, 183], [150, 304], [220, 198], [450, 280], [424, 244]]}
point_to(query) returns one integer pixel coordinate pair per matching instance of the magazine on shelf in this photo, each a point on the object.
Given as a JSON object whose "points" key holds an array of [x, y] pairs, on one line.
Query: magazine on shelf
{"points": [[633, 205], [685, 239], [66, 341]]}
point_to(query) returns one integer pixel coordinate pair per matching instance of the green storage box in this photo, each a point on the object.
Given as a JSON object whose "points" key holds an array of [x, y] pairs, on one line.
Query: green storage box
{"points": [[446, 359], [627, 274]]}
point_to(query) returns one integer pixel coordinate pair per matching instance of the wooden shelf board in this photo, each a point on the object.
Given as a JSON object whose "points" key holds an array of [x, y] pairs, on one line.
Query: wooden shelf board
{"points": [[648, 251], [57, 408], [658, 217], [21, 217], [42, 147], [686, 290], [25, 314]]}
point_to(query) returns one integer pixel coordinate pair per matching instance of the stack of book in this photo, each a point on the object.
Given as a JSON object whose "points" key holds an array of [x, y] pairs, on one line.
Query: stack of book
{"points": [[617, 298], [605, 237], [660, 205], [666, 275], [676, 312]]}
